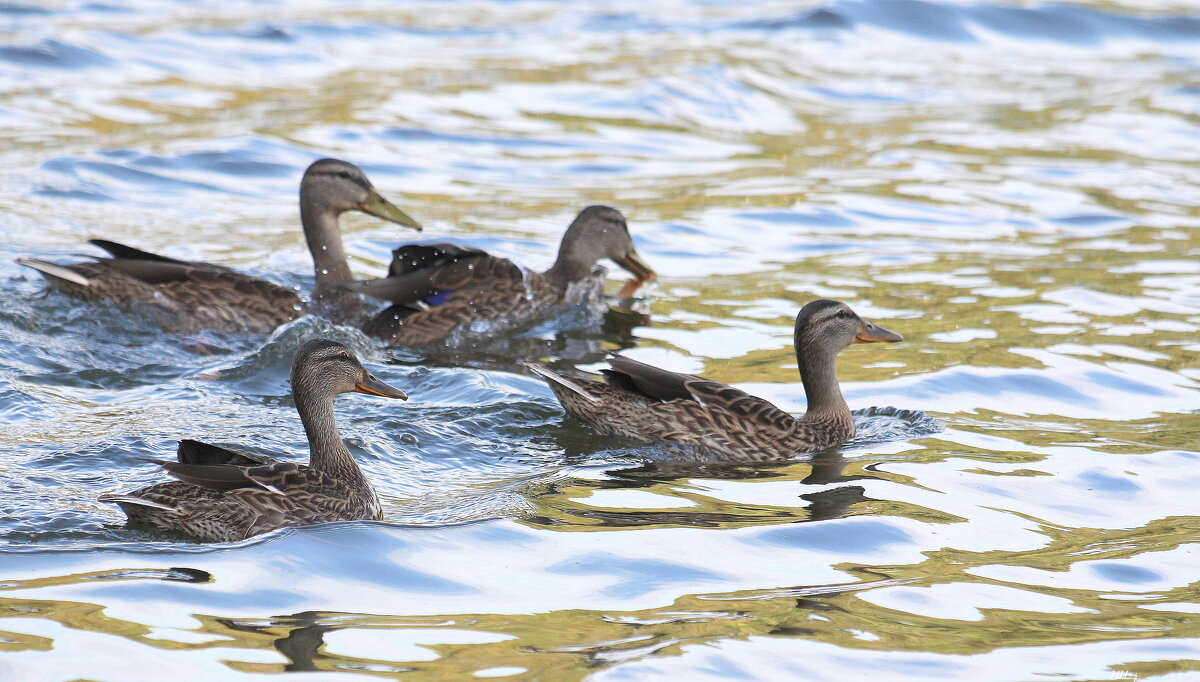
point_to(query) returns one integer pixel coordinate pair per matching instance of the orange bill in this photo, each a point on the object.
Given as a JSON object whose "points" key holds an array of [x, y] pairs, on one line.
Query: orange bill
{"points": [[372, 386], [633, 263], [873, 332], [629, 288]]}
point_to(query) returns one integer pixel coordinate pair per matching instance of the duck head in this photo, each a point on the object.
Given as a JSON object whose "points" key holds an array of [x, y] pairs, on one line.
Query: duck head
{"points": [[324, 367], [830, 326], [598, 232], [335, 186]]}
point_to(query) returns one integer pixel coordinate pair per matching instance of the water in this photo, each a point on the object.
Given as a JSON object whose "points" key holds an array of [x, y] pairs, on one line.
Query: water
{"points": [[1011, 186]]}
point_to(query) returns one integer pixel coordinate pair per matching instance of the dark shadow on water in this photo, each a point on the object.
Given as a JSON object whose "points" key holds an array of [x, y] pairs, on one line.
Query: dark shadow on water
{"points": [[303, 636], [562, 342]]}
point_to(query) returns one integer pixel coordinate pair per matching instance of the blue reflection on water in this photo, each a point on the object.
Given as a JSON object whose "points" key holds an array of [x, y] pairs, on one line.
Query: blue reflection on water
{"points": [[850, 536], [634, 577]]}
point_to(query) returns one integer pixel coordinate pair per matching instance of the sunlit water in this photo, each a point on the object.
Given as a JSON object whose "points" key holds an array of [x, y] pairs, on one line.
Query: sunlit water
{"points": [[1011, 186]]}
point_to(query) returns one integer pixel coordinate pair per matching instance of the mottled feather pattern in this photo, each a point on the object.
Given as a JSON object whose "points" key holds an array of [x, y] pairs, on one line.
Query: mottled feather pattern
{"points": [[484, 289], [277, 495], [650, 404], [228, 301], [730, 424], [198, 511], [188, 297]]}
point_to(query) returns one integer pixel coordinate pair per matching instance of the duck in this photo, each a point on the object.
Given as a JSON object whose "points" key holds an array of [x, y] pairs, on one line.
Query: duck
{"points": [[719, 422], [224, 495], [435, 288], [188, 296]]}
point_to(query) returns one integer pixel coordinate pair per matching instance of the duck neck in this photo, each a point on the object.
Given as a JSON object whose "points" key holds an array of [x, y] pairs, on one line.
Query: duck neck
{"points": [[571, 265], [818, 372], [324, 239], [327, 452], [567, 269]]}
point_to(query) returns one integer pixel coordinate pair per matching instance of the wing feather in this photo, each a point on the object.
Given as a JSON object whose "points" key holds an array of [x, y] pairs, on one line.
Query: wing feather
{"points": [[421, 271], [196, 452]]}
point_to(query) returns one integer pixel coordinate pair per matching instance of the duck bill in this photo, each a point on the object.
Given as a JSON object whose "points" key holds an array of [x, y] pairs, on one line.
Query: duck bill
{"points": [[372, 386], [377, 206], [633, 263], [873, 332]]}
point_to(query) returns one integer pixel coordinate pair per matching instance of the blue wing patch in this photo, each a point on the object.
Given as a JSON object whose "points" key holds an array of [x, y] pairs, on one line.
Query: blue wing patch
{"points": [[438, 298]]}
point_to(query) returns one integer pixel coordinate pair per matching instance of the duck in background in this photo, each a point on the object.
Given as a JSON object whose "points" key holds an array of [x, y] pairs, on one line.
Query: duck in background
{"points": [[436, 288], [187, 296]]}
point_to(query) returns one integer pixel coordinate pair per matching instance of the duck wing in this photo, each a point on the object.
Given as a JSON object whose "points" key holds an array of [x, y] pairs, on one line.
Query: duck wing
{"points": [[653, 382], [278, 495], [434, 288], [414, 257], [118, 250], [724, 402], [424, 274], [227, 502], [280, 478], [179, 295], [152, 267], [651, 404], [196, 452]]}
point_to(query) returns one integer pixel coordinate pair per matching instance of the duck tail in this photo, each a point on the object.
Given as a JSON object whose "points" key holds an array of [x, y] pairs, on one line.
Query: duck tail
{"points": [[55, 271], [130, 499], [555, 378]]}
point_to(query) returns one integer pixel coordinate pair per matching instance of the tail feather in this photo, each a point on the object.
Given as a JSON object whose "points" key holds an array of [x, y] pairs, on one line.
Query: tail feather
{"points": [[555, 377], [130, 499], [58, 271]]}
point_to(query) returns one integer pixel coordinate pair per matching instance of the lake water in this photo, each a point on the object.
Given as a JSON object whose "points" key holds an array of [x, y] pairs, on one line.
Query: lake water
{"points": [[1012, 186]]}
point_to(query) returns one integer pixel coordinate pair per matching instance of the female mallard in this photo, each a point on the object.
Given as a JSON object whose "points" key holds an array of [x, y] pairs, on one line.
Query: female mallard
{"points": [[228, 495], [186, 296], [651, 404], [434, 288]]}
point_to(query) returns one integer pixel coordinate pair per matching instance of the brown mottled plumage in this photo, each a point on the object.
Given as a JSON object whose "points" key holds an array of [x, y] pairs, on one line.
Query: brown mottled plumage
{"points": [[228, 495], [723, 423], [435, 288], [185, 296]]}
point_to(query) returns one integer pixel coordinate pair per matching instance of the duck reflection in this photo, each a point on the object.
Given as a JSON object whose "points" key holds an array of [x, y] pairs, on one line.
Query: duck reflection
{"points": [[823, 469], [576, 342], [300, 637]]}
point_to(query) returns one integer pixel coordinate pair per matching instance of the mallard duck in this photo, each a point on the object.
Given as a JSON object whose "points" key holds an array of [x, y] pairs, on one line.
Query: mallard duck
{"points": [[651, 404], [435, 288], [227, 495], [188, 296]]}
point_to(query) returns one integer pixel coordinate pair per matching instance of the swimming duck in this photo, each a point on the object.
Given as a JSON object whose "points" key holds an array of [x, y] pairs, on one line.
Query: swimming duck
{"points": [[224, 495], [186, 296], [649, 404], [434, 288]]}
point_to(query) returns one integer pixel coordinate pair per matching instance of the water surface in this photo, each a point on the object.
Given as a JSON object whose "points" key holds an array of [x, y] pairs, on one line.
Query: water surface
{"points": [[1011, 186]]}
